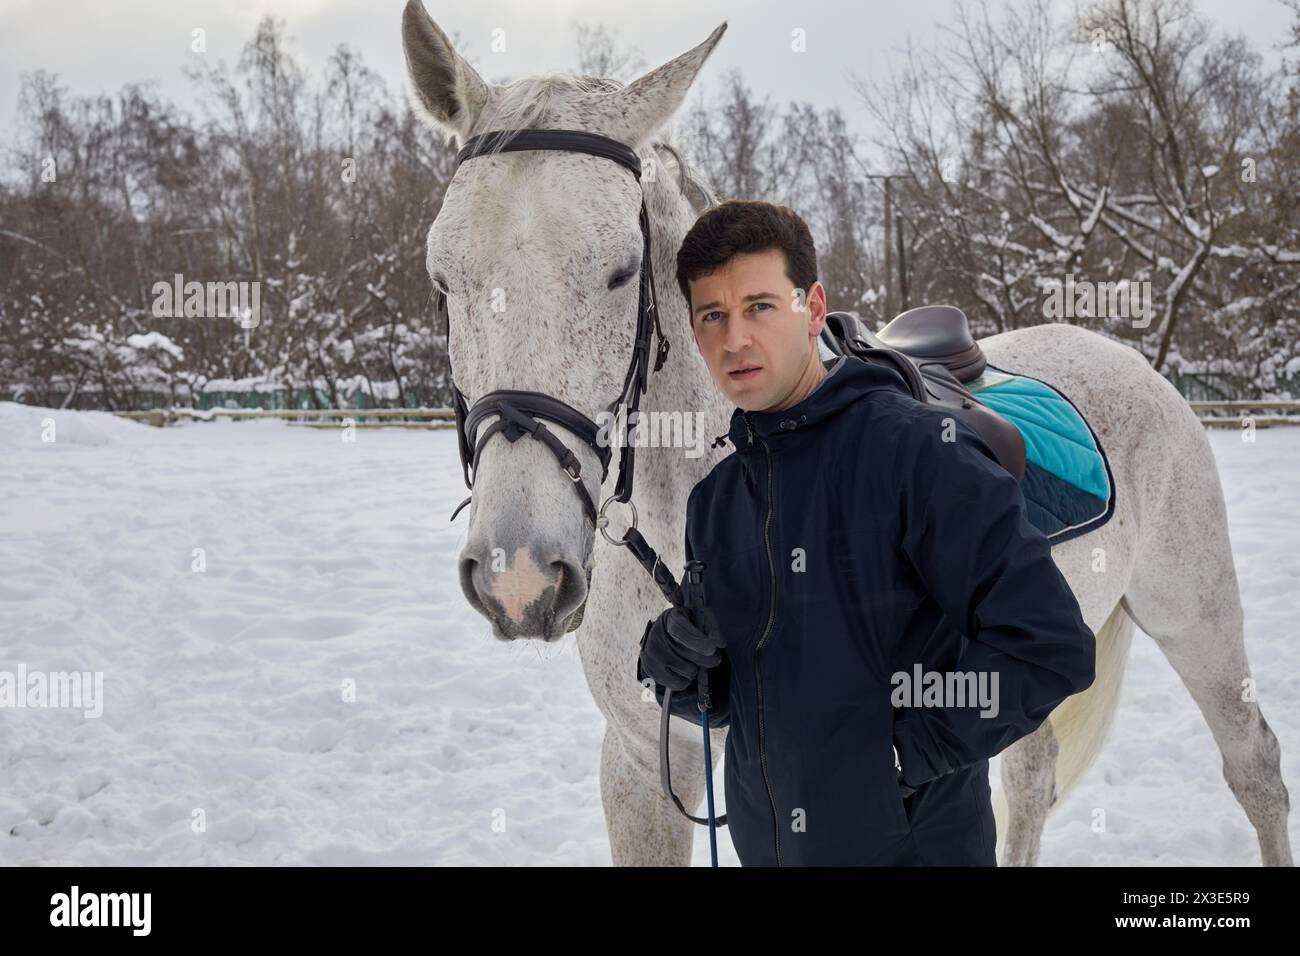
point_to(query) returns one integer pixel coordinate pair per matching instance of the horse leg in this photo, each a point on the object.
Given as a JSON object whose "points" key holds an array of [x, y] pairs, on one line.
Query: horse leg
{"points": [[1210, 658], [1184, 594], [645, 827], [1029, 789]]}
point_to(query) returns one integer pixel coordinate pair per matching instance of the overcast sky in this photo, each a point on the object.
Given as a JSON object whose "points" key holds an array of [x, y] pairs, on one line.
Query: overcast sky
{"points": [[98, 45]]}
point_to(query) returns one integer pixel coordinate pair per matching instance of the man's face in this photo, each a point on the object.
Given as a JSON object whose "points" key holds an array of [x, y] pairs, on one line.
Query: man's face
{"points": [[747, 316]]}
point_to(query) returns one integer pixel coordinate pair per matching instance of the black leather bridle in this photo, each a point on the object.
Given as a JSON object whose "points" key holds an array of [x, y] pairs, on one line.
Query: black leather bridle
{"points": [[520, 413]]}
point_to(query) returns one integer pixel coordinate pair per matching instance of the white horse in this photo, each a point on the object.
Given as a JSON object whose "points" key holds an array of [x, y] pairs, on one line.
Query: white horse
{"points": [[536, 250]]}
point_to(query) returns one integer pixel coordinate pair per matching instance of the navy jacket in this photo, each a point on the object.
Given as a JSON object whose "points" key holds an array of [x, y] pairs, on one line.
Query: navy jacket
{"points": [[853, 537]]}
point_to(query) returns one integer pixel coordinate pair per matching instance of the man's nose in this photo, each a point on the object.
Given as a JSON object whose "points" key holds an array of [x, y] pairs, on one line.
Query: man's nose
{"points": [[737, 337]]}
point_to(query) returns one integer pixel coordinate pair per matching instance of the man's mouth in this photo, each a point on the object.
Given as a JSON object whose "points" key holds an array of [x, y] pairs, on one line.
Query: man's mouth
{"points": [[744, 373]]}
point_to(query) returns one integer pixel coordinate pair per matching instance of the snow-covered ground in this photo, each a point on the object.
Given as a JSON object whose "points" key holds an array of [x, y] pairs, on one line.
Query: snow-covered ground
{"points": [[329, 562]]}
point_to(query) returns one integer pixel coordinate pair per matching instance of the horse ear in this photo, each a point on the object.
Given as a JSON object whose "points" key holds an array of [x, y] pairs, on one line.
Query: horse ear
{"points": [[650, 101], [445, 90]]}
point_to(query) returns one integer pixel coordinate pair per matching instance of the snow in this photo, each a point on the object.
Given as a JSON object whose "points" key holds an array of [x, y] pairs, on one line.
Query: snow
{"points": [[270, 383], [330, 562], [1090, 222], [1288, 256], [252, 383], [155, 340], [23, 427]]}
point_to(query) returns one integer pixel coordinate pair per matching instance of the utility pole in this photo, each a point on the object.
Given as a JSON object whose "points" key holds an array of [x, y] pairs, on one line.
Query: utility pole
{"points": [[889, 248], [889, 245], [903, 303]]}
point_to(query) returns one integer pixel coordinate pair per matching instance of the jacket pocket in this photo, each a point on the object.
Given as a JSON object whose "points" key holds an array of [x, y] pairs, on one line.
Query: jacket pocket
{"points": [[901, 804], [981, 799], [905, 807]]}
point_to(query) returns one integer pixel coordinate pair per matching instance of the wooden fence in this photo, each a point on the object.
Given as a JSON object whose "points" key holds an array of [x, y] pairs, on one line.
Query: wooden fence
{"points": [[1261, 414], [309, 417]]}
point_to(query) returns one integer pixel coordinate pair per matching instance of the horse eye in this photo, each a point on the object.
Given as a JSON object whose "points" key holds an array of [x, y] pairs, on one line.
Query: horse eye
{"points": [[440, 283], [621, 278]]}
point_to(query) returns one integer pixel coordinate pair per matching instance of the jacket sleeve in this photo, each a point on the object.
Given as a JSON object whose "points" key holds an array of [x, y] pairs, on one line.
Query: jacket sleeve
{"points": [[684, 703], [967, 534]]}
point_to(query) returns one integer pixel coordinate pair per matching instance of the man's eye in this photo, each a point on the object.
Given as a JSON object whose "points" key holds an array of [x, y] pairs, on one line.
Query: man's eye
{"points": [[766, 305]]}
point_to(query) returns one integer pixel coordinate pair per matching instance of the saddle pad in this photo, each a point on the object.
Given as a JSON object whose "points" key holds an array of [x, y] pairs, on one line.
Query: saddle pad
{"points": [[1068, 486]]}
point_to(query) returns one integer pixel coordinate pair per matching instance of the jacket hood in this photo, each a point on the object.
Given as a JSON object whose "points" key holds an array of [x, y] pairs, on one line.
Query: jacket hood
{"points": [[847, 380]]}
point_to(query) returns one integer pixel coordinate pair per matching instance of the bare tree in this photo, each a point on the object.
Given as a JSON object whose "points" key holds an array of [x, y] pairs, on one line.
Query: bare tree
{"points": [[1123, 144], [600, 54]]}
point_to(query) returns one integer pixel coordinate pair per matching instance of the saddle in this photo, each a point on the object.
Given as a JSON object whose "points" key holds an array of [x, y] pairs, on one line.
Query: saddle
{"points": [[932, 349]]}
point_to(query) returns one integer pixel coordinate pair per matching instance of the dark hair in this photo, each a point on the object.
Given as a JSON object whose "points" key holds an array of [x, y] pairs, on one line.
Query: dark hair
{"points": [[747, 225]]}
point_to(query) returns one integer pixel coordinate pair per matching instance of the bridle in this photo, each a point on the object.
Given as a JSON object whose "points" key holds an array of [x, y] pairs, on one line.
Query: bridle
{"points": [[520, 413]]}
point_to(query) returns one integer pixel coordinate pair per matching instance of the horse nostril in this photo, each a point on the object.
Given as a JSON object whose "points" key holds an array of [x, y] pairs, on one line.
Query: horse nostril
{"points": [[524, 596], [476, 583], [570, 587]]}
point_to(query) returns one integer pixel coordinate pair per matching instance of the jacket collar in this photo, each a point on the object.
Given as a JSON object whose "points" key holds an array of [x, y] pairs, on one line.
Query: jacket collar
{"points": [[847, 380]]}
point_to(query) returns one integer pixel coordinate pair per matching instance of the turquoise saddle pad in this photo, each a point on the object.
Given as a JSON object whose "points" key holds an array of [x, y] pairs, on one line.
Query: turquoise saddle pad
{"points": [[1068, 486]]}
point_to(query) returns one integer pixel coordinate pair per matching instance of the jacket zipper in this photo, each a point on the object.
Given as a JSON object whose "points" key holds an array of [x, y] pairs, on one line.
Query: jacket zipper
{"points": [[771, 616]]}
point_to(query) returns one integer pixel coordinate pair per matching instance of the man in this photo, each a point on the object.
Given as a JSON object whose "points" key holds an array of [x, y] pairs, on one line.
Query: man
{"points": [[855, 540]]}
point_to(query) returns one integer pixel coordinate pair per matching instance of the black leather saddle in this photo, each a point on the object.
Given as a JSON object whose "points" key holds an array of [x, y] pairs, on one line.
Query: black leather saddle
{"points": [[932, 349], [936, 334]]}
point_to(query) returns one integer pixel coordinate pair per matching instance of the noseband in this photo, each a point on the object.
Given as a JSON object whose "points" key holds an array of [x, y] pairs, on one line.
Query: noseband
{"points": [[520, 413]]}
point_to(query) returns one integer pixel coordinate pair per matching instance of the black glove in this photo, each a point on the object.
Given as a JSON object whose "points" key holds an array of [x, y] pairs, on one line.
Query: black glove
{"points": [[675, 646]]}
